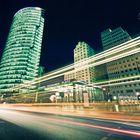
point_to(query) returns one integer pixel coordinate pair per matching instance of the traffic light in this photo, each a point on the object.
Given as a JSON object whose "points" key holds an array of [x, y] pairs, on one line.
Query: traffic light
{"points": [[138, 97]]}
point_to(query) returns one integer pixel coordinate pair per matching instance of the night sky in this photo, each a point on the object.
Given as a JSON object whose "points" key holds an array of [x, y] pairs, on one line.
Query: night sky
{"points": [[70, 21]]}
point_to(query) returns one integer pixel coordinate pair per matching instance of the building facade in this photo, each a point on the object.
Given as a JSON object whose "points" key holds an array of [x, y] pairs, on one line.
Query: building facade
{"points": [[126, 67], [129, 68], [82, 52], [21, 56], [110, 38]]}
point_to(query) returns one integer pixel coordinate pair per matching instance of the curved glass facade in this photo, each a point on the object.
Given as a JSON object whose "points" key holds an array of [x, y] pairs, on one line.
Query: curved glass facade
{"points": [[21, 56]]}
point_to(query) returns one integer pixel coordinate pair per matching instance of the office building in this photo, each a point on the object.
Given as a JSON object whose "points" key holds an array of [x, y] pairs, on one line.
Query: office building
{"points": [[126, 67], [21, 56], [82, 52], [111, 38]]}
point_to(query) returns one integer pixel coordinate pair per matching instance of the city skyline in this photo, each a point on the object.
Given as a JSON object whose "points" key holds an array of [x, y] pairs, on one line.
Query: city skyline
{"points": [[70, 22]]}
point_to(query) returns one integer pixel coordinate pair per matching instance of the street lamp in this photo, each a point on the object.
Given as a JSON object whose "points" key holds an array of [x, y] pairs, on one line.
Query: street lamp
{"points": [[74, 92], [36, 95], [105, 94], [138, 95]]}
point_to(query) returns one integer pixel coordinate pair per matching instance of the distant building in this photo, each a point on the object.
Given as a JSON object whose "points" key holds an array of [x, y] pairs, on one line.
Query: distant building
{"points": [[82, 52], [21, 56], [111, 38]]}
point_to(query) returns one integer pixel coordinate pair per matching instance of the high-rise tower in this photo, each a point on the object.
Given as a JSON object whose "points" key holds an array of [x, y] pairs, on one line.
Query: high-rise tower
{"points": [[82, 52], [111, 38], [21, 56]]}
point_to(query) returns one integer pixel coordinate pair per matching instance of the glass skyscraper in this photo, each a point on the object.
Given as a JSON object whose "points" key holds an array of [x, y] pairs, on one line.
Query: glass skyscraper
{"points": [[111, 38], [21, 56]]}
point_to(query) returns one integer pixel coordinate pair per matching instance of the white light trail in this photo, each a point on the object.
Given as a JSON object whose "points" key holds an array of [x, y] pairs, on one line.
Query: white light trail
{"points": [[106, 57]]}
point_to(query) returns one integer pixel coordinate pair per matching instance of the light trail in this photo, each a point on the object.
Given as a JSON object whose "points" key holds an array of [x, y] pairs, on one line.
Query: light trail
{"points": [[31, 121], [88, 62], [119, 79], [121, 45], [113, 52], [132, 133], [83, 67], [120, 83], [96, 57], [108, 60], [117, 49]]}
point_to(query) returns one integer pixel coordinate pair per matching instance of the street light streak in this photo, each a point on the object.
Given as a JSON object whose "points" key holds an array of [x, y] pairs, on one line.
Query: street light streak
{"points": [[119, 79], [30, 120], [111, 53], [121, 45], [128, 132], [133, 133], [96, 57], [87, 63], [120, 83], [90, 65]]}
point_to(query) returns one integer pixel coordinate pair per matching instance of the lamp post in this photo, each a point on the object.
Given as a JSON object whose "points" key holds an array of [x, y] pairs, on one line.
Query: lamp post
{"points": [[105, 94], [36, 95], [74, 92], [1, 98], [138, 95]]}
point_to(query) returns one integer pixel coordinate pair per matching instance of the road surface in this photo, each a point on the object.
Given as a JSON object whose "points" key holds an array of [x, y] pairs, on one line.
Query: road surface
{"points": [[24, 125]]}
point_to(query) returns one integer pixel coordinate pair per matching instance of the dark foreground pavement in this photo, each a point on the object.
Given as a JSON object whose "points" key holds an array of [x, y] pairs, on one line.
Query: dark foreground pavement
{"points": [[25, 125], [11, 131]]}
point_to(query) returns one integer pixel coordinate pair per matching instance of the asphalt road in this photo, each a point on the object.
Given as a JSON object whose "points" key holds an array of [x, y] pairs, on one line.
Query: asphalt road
{"points": [[23, 125]]}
